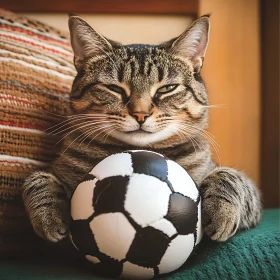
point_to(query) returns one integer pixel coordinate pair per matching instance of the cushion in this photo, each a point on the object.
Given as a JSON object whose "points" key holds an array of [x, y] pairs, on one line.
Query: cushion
{"points": [[36, 74], [252, 254]]}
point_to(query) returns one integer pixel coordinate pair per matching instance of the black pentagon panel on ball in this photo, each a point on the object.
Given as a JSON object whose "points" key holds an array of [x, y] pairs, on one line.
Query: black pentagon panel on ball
{"points": [[83, 237], [109, 194], [108, 268], [88, 177], [148, 247], [149, 163], [182, 213], [105, 268]]}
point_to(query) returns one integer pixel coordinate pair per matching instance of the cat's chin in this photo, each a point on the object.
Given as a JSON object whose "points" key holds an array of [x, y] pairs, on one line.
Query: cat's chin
{"points": [[141, 138]]}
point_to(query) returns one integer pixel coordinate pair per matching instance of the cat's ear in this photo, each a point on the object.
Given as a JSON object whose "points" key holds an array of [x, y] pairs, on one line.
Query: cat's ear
{"points": [[85, 41], [193, 42]]}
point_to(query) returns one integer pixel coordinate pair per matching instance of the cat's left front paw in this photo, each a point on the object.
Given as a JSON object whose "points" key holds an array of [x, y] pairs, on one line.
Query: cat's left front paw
{"points": [[220, 218]]}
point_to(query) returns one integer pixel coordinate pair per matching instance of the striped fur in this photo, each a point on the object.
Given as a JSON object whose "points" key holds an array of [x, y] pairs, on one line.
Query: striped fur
{"points": [[115, 87]]}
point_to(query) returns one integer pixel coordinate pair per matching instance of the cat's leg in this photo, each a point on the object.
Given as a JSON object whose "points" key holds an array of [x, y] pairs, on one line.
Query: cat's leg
{"points": [[47, 205], [230, 201]]}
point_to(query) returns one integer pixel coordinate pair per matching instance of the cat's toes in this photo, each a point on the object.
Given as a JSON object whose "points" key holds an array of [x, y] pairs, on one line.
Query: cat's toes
{"points": [[220, 219], [55, 230], [51, 224]]}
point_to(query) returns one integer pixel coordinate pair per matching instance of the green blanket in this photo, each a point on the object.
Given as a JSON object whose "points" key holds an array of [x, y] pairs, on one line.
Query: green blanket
{"points": [[253, 254]]}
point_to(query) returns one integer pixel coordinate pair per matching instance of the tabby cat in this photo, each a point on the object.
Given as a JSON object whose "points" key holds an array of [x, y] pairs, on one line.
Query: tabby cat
{"points": [[139, 97]]}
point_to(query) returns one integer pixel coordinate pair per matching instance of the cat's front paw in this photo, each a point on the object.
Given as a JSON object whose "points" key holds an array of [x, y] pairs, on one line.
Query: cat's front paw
{"points": [[220, 218], [47, 205], [51, 223]]}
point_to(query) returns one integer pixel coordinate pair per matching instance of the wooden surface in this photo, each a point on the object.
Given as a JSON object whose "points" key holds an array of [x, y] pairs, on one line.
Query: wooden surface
{"points": [[104, 6], [232, 75], [270, 164]]}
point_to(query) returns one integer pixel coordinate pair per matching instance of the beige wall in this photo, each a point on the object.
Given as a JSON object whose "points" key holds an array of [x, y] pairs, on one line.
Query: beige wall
{"points": [[232, 75], [127, 29]]}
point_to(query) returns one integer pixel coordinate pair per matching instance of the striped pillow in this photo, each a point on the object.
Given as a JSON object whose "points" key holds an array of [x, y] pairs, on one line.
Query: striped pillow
{"points": [[36, 74]]}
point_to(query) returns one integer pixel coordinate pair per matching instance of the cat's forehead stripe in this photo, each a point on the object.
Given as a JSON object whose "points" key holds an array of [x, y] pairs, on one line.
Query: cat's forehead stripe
{"points": [[143, 62]]}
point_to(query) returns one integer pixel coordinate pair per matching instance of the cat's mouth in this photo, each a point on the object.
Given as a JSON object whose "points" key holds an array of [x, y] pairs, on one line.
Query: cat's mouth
{"points": [[139, 131], [141, 137]]}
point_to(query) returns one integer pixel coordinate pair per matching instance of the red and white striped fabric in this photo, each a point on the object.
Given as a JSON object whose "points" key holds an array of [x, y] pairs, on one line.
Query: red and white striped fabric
{"points": [[36, 74]]}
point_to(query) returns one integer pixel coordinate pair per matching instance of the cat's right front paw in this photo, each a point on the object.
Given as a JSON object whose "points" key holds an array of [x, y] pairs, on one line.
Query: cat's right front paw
{"points": [[47, 205], [51, 223]]}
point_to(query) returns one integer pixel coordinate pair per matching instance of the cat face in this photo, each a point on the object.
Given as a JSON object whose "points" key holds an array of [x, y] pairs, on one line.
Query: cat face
{"points": [[140, 94]]}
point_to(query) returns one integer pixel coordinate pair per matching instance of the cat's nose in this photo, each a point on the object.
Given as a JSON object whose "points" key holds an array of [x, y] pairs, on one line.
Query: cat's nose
{"points": [[140, 116]]}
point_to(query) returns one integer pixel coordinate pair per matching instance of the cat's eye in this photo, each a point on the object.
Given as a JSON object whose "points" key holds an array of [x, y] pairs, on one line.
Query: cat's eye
{"points": [[167, 88], [116, 89]]}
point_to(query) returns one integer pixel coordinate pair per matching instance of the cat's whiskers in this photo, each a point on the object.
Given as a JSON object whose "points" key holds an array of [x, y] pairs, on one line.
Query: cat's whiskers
{"points": [[214, 106], [176, 131], [202, 132], [107, 134], [79, 120], [88, 115], [91, 131], [65, 123], [191, 139], [73, 117], [85, 134], [71, 143], [79, 127], [209, 137], [188, 131], [104, 130], [199, 131], [95, 129], [80, 124], [195, 140]]}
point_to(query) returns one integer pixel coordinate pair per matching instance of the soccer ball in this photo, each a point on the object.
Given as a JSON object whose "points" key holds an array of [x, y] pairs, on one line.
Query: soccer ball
{"points": [[136, 215]]}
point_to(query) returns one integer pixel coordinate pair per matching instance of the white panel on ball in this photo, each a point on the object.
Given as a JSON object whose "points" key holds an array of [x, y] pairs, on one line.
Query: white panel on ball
{"points": [[84, 194], [177, 253], [146, 199], [92, 259], [165, 226], [199, 225], [114, 165], [181, 180], [133, 271], [113, 234]]}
